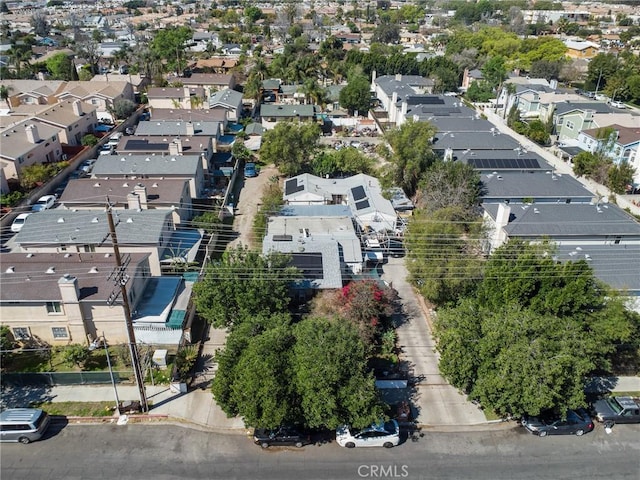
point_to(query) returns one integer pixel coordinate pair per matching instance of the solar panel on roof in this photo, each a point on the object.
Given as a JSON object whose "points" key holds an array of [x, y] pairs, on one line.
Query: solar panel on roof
{"points": [[358, 193], [309, 263], [362, 204], [504, 163], [291, 186]]}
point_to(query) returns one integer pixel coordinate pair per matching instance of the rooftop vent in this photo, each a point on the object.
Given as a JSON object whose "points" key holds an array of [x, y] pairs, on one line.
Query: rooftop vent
{"points": [[11, 269], [61, 220], [51, 270]]}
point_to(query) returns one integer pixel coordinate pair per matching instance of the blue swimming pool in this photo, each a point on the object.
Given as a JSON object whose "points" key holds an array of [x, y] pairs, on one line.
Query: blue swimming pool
{"points": [[226, 139], [234, 128]]}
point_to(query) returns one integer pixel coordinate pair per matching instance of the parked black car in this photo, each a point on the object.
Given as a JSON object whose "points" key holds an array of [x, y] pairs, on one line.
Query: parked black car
{"points": [[617, 410], [576, 422], [281, 436]]}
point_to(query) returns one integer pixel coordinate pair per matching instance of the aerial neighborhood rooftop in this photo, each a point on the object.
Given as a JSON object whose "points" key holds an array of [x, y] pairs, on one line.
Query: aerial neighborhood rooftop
{"points": [[173, 174]]}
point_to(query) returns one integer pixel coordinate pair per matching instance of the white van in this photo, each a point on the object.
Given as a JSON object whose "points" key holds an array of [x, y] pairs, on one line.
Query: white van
{"points": [[24, 425], [115, 139]]}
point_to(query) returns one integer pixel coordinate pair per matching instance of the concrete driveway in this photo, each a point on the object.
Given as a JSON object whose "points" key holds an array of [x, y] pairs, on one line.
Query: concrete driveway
{"points": [[436, 402]]}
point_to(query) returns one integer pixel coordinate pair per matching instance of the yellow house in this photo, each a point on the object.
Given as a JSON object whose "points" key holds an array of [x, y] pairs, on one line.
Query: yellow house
{"points": [[581, 49]]}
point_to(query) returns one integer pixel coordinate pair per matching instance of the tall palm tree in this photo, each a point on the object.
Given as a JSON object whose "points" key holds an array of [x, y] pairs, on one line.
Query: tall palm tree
{"points": [[5, 94]]}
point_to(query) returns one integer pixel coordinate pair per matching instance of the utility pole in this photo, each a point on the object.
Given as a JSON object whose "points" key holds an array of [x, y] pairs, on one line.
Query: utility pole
{"points": [[121, 278]]}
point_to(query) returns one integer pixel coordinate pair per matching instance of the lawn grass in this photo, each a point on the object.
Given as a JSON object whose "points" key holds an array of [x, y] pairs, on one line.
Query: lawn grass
{"points": [[633, 394], [490, 415], [77, 409]]}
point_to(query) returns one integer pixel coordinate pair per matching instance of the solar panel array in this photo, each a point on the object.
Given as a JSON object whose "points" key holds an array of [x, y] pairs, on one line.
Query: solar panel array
{"points": [[309, 263], [504, 163], [358, 193], [291, 186], [362, 204]]}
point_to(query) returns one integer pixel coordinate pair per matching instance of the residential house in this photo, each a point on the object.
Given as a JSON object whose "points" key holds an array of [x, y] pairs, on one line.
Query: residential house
{"points": [[581, 49], [62, 298], [152, 166], [171, 146], [170, 194], [536, 187], [27, 143], [271, 90], [32, 92], [139, 231], [495, 161], [201, 40], [188, 115], [292, 234], [101, 94], [570, 118], [600, 233], [74, 119], [228, 100], [621, 144], [254, 132], [177, 98], [110, 49], [209, 82], [215, 65], [361, 193], [274, 113], [470, 76]]}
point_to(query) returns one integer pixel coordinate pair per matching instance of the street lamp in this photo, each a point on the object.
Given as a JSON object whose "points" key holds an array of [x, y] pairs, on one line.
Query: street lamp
{"points": [[95, 344]]}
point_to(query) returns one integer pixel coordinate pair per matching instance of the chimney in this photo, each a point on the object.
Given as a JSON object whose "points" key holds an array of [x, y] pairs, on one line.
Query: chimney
{"points": [[187, 96], [404, 108], [69, 291], [191, 131], [175, 147], [502, 217], [77, 108], [373, 79], [32, 134], [393, 109], [141, 192], [399, 77], [133, 201]]}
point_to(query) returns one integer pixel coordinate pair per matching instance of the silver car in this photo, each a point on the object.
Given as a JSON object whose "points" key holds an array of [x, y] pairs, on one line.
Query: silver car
{"points": [[24, 425]]}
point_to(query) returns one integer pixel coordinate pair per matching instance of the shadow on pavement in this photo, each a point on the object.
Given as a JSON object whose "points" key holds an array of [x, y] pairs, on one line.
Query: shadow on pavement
{"points": [[22, 396]]}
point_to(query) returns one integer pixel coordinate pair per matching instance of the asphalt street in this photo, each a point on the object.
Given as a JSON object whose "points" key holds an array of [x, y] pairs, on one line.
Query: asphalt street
{"points": [[159, 452]]}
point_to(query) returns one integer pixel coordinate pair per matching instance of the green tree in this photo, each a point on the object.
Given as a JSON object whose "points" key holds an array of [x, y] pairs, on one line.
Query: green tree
{"points": [[75, 354], [290, 146], [209, 221], [123, 108], [619, 177], [386, 33], [5, 93], [356, 95], [60, 66], [411, 154], [331, 377], [89, 140], [262, 390], [270, 204], [533, 332], [228, 358], [242, 284], [494, 71], [443, 253]]}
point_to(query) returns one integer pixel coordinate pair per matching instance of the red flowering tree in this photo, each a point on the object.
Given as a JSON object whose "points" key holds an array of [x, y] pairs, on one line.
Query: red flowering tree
{"points": [[366, 303]]}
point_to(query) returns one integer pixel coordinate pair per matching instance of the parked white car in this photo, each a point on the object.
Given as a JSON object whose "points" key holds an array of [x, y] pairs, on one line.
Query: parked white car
{"points": [[44, 203], [18, 222], [385, 434], [616, 104]]}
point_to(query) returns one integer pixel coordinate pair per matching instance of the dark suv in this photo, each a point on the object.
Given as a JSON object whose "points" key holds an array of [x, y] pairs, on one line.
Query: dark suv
{"points": [[280, 436], [576, 422]]}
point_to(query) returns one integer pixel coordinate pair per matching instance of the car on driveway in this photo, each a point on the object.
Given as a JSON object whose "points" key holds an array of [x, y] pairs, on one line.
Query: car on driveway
{"points": [[383, 434], [18, 222], [250, 170], [44, 203], [283, 436], [576, 422]]}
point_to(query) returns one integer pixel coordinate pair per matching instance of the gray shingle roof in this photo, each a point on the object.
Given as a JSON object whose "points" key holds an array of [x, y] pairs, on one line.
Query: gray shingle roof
{"points": [[90, 227], [598, 107], [572, 220], [93, 190], [536, 185], [286, 111], [157, 165], [177, 127], [30, 282], [474, 141]]}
